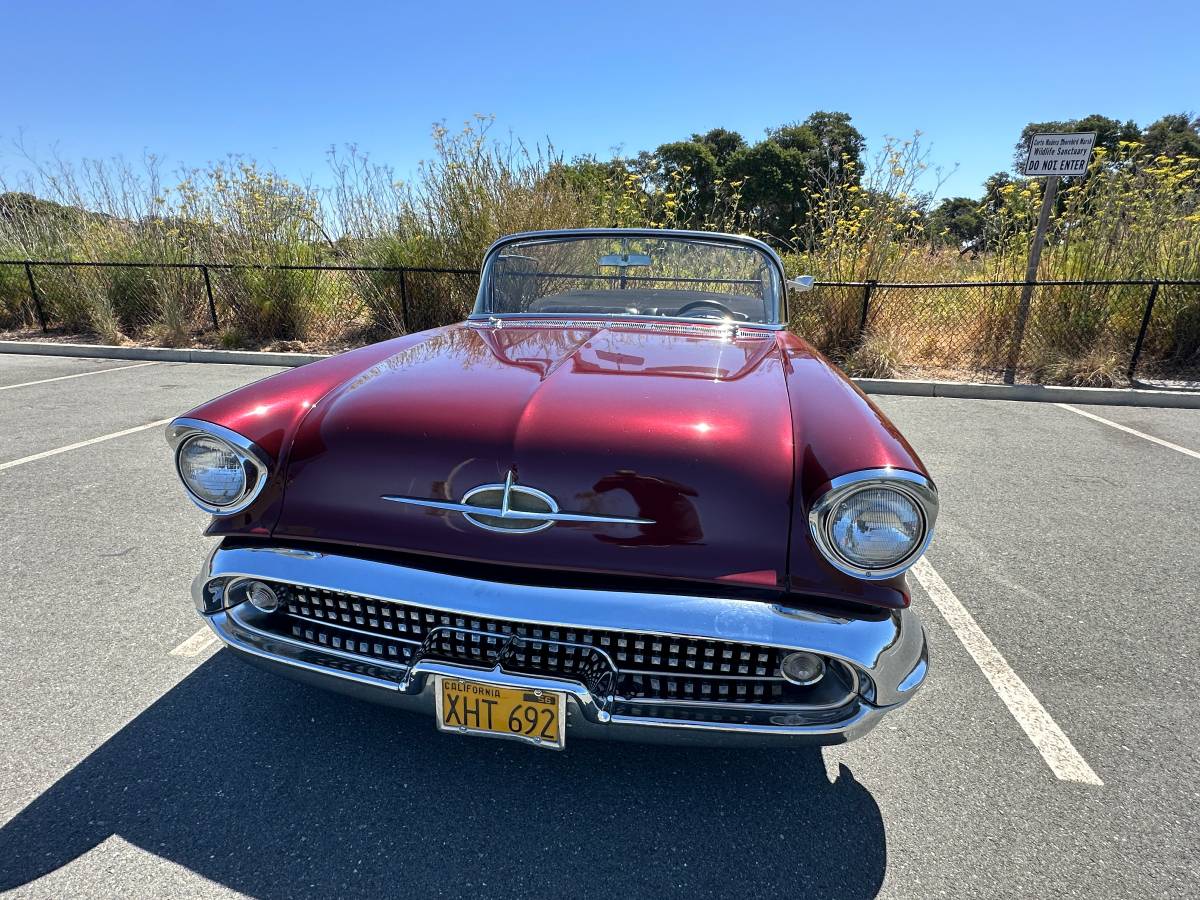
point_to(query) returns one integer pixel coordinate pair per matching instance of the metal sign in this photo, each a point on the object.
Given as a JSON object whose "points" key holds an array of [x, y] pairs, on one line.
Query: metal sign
{"points": [[1059, 154]]}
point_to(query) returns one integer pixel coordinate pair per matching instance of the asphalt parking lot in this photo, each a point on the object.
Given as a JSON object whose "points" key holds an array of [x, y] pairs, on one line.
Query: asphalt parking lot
{"points": [[138, 760]]}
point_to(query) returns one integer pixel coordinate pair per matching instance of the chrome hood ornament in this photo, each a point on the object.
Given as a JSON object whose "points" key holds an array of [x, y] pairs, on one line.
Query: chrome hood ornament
{"points": [[512, 508]]}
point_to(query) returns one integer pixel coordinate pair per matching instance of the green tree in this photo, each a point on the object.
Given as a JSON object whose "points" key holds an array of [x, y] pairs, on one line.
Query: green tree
{"points": [[794, 137], [838, 140], [994, 186], [772, 180], [687, 176], [1173, 135], [956, 219], [593, 182], [588, 174], [722, 142]]}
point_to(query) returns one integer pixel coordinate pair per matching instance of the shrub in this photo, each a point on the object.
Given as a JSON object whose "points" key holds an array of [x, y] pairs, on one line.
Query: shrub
{"points": [[1136, 215], [15, 305], [880, 354]]}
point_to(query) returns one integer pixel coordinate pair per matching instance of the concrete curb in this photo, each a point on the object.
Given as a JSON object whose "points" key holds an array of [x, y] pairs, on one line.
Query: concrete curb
{"points": [[1037, 393], [899, 387], [162, 354]]}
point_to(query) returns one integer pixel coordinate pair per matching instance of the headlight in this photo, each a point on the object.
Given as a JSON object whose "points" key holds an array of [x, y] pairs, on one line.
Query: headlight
{"points": [[212, 470], [876, 523], [222, 471]]}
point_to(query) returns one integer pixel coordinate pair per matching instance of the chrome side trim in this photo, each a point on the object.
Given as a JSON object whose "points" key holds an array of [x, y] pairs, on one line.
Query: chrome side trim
{"points": [[916, 487], [256, 462]]}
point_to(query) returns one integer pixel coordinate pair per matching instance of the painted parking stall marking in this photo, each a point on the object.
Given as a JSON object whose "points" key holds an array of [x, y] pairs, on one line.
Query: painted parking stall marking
{"points": [[1056, 748], [1149, 437], [9, 387], [196, 644], [96, 440]]}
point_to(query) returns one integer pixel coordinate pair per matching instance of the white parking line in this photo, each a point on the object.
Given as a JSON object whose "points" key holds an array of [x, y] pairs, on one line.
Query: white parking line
{"points": [[196, 644], [9, 387], [1056, 748], [76, 446], [1133, 431]]}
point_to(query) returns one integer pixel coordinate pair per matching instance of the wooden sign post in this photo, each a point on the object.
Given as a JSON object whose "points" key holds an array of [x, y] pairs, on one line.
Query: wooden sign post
{"points": [[1052, 156]]}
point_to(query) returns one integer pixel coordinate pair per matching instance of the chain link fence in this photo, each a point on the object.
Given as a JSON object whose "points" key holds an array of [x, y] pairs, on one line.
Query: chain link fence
{"points": [[225, 304], [1075, 332]]}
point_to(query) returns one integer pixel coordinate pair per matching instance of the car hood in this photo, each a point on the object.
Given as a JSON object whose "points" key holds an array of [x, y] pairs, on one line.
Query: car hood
{"points": [[684, 426]]}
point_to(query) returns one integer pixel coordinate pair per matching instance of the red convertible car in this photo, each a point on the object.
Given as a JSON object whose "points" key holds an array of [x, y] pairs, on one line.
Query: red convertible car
{"points": [[619, 500]]}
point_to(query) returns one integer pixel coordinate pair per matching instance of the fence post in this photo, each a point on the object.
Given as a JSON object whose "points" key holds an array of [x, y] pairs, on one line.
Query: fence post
{"points": [[1137, 346], [868, 288], [212, 305], [37, 298], [403, 302], [1018, 333]]}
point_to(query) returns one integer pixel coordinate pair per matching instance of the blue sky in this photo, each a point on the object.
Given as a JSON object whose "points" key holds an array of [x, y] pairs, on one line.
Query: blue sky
{"points": [[283, 81]]}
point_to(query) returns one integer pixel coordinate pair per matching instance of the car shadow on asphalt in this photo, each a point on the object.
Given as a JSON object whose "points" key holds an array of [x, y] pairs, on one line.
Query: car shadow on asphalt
{"points": [[276, 789]]}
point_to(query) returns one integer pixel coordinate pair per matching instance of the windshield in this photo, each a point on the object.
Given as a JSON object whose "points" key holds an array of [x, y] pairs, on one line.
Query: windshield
{"points": [[631, 275]]}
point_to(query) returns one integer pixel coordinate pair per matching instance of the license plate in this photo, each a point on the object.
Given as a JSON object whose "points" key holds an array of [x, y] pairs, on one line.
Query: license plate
{"points": [[476, 707]]}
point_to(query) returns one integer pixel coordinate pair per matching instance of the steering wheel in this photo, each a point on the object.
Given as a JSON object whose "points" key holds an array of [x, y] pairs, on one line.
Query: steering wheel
{"points": [[711, 304]]}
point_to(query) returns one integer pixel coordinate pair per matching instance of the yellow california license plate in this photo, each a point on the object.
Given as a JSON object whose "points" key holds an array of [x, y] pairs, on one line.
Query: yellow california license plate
{"points": [[475, 707]]}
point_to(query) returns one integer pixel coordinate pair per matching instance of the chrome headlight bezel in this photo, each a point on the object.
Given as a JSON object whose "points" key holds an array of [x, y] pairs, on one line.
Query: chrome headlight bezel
{"points": [[914, 487], [255, 462]]}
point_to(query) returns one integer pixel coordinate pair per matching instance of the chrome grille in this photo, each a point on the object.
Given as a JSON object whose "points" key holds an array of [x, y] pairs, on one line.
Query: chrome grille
{"points": [[650, 667]]}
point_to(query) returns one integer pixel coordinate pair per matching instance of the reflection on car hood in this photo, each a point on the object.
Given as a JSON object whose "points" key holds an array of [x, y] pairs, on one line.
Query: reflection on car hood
{"points": [[686, 426]]}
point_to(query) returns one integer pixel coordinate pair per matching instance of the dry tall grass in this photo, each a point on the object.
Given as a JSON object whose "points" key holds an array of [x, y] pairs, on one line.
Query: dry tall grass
{"points": [[1133, 217]]}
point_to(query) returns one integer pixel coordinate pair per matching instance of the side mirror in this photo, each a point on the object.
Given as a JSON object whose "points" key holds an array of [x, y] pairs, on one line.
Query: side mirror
{"points": [[802, 283]]}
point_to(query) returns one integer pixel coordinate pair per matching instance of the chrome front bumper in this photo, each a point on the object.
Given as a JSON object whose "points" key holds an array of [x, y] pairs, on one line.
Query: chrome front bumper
{"points": [[887, 654]]}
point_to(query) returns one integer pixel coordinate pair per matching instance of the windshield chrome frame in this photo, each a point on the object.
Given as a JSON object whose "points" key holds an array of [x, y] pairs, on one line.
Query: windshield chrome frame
{"points": [[566, 234]]}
